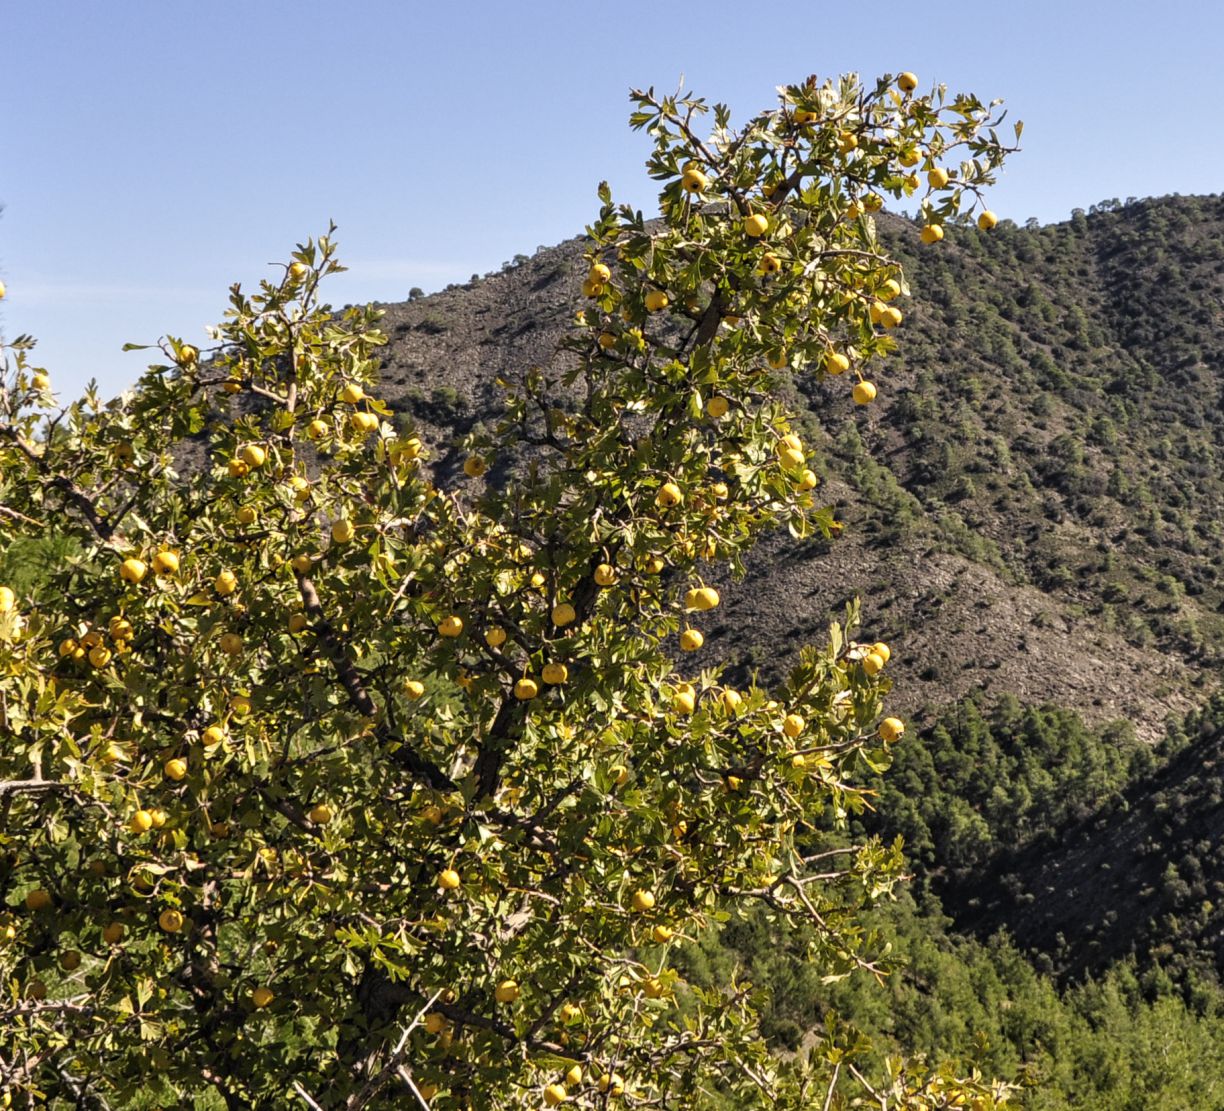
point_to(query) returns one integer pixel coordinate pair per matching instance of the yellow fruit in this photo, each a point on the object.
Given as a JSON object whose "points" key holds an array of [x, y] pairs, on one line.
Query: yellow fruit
{"points": [[569, 1012], [876, 311], [317, 429], [36, 990], [756, 225], [669, 495], [363, 423], [591, 288], [133, 570], [526, 689], [320, 814], [240, 704], [873, 664], [99, 656], [694, 181], [555, 674], [451, 626], [769, 264], [474, 466], [342, 531], [612, 1083], [653, 565], [691, 640], [414, 689], [911, 156], [300, 488], [554, 1094], [92, 639], [352, 394], [807, 479], [891, 317], [864, 393], [889, 289], [298, 623], [937, 178], [212, 736], [932, 233], [166, 563], [793, 725], [882, 650], [731, 700], [564, 614], [302, 563], [298, 270], [448, 879], [987, 220], [434, 1022], [170, 920], [188, 354], [506, 992], [846, 142], [175, 768], [684, 701], [225, 583], [778, 360], [70, 961], [907, 82], [605, 575], [495, 637], [643, 900], [734, 783], [662, 934], [38, 899], [573, 1076], [791, 458], [69, 647], [607, 340], [262, 997], [3, 291], [836, 363], [599, 272], [253, 456], [656, 300], [232, 385], [428, 1091], [717, 407], [701, 598], [798, 761], [231, 644], [891, 729], [7, 599], [142, 821], [719, 490], [873, 202], [120, 628]]}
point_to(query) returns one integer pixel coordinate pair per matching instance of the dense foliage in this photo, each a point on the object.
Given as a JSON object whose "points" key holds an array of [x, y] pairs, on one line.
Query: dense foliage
{"points": [[321, 778]]}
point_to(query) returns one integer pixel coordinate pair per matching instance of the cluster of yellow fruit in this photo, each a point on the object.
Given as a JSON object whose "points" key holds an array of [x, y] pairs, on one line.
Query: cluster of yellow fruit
{"points": [[133, 569], [250, 458], [92, 644], [596, 280]]}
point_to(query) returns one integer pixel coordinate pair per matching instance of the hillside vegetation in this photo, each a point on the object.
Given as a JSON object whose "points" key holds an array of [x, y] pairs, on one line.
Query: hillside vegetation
{"points": [[1034, 505]]}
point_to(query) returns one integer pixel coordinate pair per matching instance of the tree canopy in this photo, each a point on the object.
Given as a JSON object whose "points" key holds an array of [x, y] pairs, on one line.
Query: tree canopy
{"points": [[330, 778]]}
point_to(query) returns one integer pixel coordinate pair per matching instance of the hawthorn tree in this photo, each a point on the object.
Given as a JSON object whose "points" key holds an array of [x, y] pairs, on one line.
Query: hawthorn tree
{"points": [[322, 785]]}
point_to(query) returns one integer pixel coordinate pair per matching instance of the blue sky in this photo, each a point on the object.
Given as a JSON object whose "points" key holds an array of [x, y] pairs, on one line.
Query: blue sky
{"points": [[154, 151]]}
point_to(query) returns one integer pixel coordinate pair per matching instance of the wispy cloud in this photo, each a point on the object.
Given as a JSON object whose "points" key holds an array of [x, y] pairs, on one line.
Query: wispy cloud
{"points": [[42, 293]]}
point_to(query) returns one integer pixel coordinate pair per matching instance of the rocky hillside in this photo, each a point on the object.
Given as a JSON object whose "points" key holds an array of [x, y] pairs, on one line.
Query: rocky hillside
{"points": [[1035, 503]]}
